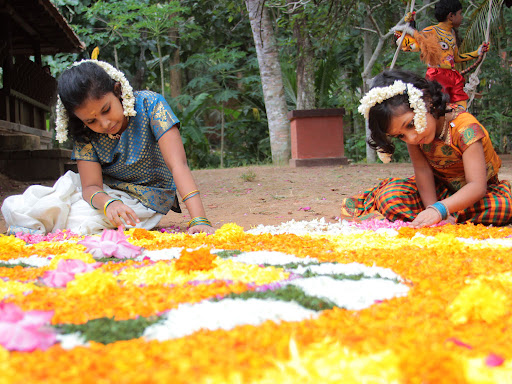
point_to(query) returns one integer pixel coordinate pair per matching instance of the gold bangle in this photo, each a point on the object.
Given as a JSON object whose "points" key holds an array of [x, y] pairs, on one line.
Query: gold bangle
{"points": [[191, 192], [189, 196]]}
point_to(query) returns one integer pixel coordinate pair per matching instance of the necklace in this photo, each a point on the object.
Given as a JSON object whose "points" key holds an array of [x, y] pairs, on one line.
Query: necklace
{"points": [[117, 136], [445, 132]]}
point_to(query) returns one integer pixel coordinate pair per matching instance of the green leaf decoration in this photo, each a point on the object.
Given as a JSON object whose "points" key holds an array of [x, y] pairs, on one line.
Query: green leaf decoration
{"points": [[286, 293], [227, 254], [107, 330]]}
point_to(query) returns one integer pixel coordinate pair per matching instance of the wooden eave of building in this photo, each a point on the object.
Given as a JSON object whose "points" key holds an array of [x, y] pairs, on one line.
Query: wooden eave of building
{"points": [[37, 25]]}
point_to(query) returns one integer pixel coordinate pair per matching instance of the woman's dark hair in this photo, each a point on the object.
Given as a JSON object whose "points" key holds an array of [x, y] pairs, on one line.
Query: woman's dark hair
{"points": [[77, 84], [380, 114], [445, 7]]}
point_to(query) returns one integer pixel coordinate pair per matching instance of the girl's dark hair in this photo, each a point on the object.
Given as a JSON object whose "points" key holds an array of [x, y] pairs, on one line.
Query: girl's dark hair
{"points": [[445, 7], [77, 84], [380, 115]]}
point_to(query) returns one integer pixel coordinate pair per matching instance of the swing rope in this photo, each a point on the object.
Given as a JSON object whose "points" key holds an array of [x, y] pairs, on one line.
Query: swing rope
{"points": [[472, 84], [402, 37]]}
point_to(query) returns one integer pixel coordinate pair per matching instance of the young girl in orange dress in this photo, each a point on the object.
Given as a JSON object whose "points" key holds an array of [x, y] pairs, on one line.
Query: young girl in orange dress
{"points": [[455, 165], [442, 57]]}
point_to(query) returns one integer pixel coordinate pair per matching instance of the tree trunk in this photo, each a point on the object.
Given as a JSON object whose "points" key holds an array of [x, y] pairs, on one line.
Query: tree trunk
{"points": [[116, 59], [175, 60], [371, 156], [305, 62], [222, 137], [138, 79], [162, 78], [271, 81]]}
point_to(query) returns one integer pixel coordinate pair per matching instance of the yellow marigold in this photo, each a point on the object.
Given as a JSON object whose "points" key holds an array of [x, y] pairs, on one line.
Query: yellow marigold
{"points": [[8, 373], [197, 260], [11, 247], [477, 372], [328, 361], [93, 283], [164, 273], [72, 254], [229, 232], [479, 302], [8, 288]]}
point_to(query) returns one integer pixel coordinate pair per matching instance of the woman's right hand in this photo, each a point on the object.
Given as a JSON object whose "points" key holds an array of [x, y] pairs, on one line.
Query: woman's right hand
{"points": [[118, 213]]}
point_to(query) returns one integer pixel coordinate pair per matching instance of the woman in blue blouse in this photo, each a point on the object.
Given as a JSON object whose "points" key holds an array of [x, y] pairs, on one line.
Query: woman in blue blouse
{"points": [[123, 141]]}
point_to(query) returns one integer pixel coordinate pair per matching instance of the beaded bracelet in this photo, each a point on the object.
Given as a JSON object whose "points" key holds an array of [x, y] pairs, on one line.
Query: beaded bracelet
{"points": [[190, 196], [94, 194], [198, 220], [441, 208], [187, 196], [108, 203]]}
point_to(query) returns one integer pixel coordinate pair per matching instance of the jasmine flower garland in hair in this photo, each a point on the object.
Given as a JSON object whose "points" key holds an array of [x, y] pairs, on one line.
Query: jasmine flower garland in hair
{"points": [[62, 118], [378, 94]]}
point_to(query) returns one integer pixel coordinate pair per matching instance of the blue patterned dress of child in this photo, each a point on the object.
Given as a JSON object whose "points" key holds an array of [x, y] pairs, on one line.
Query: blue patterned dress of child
{"points": [[133, 163]]}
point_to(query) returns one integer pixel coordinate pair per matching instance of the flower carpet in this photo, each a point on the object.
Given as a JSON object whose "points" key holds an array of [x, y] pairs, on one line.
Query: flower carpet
{"points": [[368, 302]]}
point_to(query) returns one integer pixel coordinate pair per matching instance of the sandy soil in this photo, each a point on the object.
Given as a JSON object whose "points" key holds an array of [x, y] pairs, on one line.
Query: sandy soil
{"points": [[268, 195]]}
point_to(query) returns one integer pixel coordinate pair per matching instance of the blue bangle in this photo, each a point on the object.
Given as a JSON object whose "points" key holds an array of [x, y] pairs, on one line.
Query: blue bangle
{"points": [[441, 209]]}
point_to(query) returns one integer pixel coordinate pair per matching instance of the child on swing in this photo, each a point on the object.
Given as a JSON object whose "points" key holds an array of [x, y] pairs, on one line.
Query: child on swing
{"points": [[455, 165], [441, 59], [130, 158]]}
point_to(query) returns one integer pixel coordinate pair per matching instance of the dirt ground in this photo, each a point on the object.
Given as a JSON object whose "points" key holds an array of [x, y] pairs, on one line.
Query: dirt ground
{"points": [[270, 195]]}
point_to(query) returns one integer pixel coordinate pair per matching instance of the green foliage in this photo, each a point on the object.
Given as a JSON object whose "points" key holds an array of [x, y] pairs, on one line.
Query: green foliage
{"points": [[229, 253], [494, 109], [248, 176], [107, 330], [9, 265], [220, 73], [355, 146], [286, 293]]}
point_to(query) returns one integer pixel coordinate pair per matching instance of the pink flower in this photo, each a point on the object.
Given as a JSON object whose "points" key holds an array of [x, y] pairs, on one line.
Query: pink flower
{"points": [[112, 243], [25, 331], [65, 272], [493, 360]]}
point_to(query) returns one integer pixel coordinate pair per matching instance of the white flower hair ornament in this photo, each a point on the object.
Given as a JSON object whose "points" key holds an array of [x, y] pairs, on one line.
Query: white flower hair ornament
{"points": [[62, 118], [378, 94]]}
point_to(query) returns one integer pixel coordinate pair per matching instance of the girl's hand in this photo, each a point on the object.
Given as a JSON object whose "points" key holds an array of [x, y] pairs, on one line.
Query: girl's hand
{"points": [[201, 228], [426, 218], [451, 220], [117, 212], [484, 47]]}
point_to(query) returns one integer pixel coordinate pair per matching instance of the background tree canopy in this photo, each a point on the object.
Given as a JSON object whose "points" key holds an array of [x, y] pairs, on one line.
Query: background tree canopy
{"points": [[201, 56]]}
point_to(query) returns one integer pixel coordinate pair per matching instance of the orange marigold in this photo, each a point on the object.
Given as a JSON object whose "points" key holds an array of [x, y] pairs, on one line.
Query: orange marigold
{"points": [[141, 233], [197, 260]]}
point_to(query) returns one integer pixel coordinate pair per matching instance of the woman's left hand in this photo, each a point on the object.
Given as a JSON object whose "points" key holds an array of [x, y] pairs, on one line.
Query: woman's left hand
{"points": [[426, 218], [201, 228]]}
